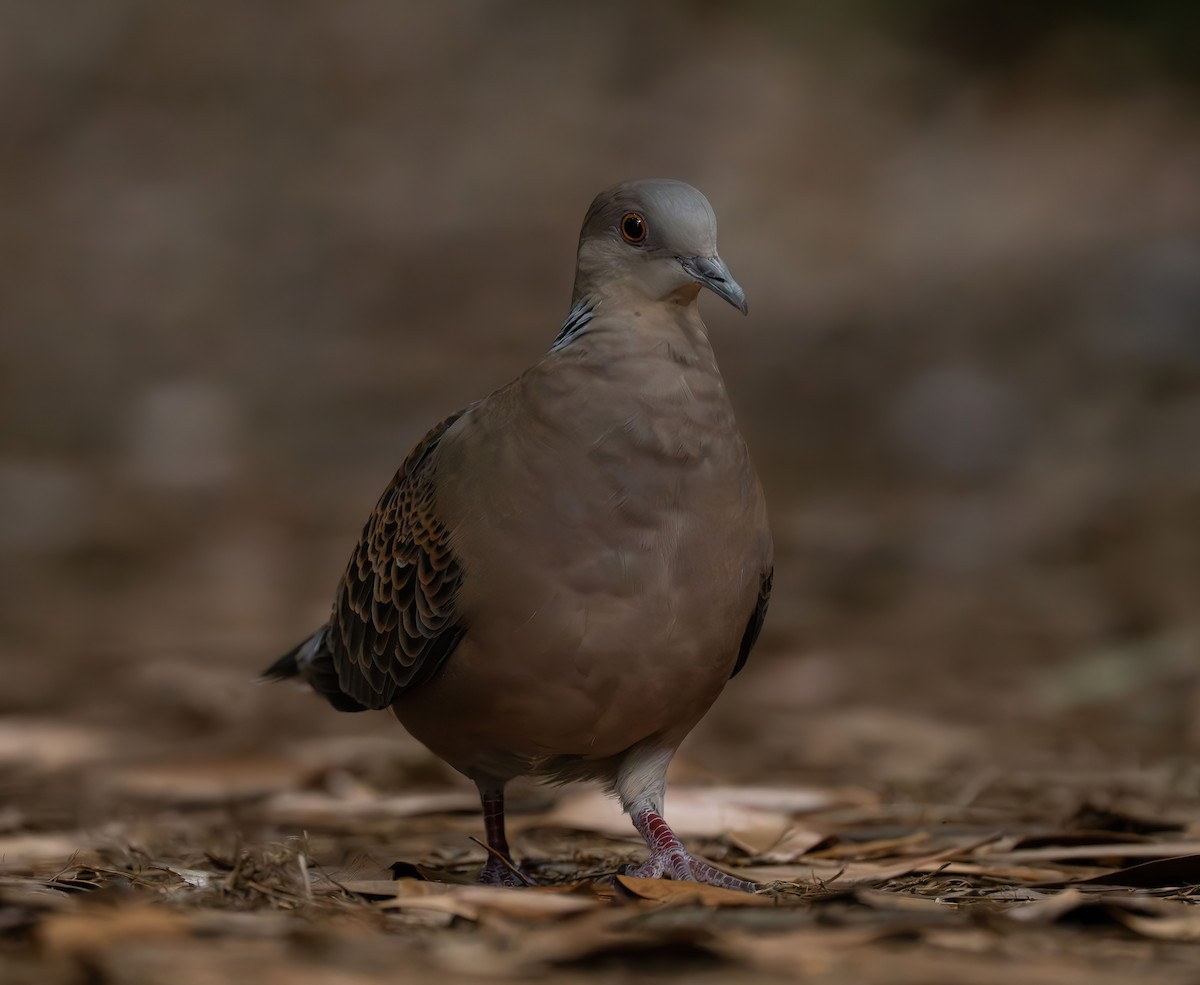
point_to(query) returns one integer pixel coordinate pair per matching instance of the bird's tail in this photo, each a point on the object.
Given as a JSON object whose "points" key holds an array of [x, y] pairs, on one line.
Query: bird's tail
{"points": [[292, 662], [312, 661]]}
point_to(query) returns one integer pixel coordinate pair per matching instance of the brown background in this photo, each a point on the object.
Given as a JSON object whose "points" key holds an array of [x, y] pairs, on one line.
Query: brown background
{"points": [[249, 252]]}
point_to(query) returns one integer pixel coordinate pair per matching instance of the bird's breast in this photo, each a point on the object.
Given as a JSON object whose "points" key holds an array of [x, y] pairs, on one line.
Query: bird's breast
{"points": [[601, 485], [612, 537]]}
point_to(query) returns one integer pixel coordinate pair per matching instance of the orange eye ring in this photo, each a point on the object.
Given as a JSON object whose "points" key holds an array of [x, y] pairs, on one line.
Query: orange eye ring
{"points": [[633, 227]]}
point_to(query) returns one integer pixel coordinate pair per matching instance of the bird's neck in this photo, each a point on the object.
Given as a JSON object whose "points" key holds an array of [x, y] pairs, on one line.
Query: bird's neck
{"points": [[642, 356], [616, 325]]}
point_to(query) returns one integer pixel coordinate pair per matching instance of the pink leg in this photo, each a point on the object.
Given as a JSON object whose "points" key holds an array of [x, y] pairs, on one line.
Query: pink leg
{"points": [[495, 872], [668, 857]]}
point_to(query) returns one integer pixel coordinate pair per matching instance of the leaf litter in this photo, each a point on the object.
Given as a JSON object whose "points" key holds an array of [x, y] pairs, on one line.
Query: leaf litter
{"points": [[321, 875]]}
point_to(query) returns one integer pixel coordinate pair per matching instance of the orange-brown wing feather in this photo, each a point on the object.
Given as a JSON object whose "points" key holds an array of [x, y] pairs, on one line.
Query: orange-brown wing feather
{"points": [[394, 620]]}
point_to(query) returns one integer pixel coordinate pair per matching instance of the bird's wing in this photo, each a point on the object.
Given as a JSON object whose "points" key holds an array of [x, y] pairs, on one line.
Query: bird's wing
{"points": [[394, 620], [757, 618]]}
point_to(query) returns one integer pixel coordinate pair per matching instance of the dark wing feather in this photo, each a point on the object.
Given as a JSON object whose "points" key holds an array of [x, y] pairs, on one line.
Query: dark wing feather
{"points": [[312, 661], [394, 619], [755, 625]]}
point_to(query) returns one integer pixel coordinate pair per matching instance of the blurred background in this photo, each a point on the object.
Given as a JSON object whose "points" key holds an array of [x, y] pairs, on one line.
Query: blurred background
{"points": [[249, 252]]}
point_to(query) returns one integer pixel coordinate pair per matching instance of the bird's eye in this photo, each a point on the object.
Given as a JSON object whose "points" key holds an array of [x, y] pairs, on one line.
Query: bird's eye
{"points": [[633, 227]]}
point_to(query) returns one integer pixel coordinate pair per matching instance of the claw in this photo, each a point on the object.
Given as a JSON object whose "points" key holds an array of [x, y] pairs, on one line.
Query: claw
{"points": [[668, 857], [496, 872]]}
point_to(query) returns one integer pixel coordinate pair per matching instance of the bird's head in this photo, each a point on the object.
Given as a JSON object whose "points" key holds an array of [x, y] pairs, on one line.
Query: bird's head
{"points": [[654, 239]]}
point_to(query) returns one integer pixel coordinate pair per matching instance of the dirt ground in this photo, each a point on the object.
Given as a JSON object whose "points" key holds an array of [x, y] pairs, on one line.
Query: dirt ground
{"points": [[248, 259]]}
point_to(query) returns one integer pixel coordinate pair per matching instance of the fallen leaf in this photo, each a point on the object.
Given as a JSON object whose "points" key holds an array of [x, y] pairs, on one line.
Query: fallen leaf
{"points": [[797, 954], [539, 947], [393, 888], [753, 842], [1181, 926], [473, 902], [1046, 910], [1105, 851], [1082, 837], [21, 850], [672, 891], [101, 928], [197, 878], [32, 894], [1180, 870], [314, 809], [797, 841], [1121, 821], [260, 924], [834, 874], [789, 800], [902, 902], [50, 745], [1044, 875], [207, 781], [880, 847], [973, 940]]}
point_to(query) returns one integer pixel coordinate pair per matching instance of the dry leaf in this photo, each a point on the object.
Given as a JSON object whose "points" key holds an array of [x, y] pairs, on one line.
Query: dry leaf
{"points": [[203, 781], [1182, 870], [50, 745], [797, 841], [472, 902], [604, 931], [973, 940], [1111, 850], [1079, 837], [232, 924], [1181, 926], [798, 954], [197, 878], [21, 850], [844, 875], [314, 809], [1048, 909], [900, 902], [32, 894], [101, 928], [786, 800], [671, 891], [879, 848], [1014, 873]]}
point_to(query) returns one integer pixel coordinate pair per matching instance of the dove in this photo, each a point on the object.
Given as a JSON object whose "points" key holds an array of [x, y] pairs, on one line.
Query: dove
{"points": [[561, 577]]}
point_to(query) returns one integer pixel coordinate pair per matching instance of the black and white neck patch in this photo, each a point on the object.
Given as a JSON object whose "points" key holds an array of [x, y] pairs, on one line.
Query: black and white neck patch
{"points": [[575, 325]]}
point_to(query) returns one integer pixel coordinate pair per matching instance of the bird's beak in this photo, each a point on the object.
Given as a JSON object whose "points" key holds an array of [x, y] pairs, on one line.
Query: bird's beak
{"points": [[712, 273]]}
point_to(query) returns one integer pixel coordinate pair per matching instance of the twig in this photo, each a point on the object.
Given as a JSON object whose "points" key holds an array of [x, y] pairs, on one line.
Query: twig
{"points": [[302, 861], [500, 855], [235, 873]]}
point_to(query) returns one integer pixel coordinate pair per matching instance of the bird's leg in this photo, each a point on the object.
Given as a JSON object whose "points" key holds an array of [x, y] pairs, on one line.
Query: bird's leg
{"points": [[668, 857], [499, 869]]}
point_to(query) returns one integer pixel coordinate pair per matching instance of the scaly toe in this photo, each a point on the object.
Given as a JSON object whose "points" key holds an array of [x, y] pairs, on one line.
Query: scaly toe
{"points": [[647, 870], [496, 873], [684, 867], [701, 871]]}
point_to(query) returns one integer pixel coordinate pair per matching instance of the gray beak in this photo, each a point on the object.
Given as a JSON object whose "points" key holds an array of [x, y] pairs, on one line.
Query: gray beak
{"points": [[712, 273]]}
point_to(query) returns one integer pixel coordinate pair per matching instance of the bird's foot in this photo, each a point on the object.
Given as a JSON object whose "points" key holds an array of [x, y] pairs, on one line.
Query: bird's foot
{"points": [[669, 859], [680, 864], [498, 872]]}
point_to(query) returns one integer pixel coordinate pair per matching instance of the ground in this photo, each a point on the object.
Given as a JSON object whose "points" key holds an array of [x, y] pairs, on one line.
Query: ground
{"points": [[248, 260], [910, 848]]}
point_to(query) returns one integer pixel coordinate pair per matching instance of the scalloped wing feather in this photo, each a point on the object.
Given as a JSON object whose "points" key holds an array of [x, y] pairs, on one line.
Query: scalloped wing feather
{"points": [[394, 620]]}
